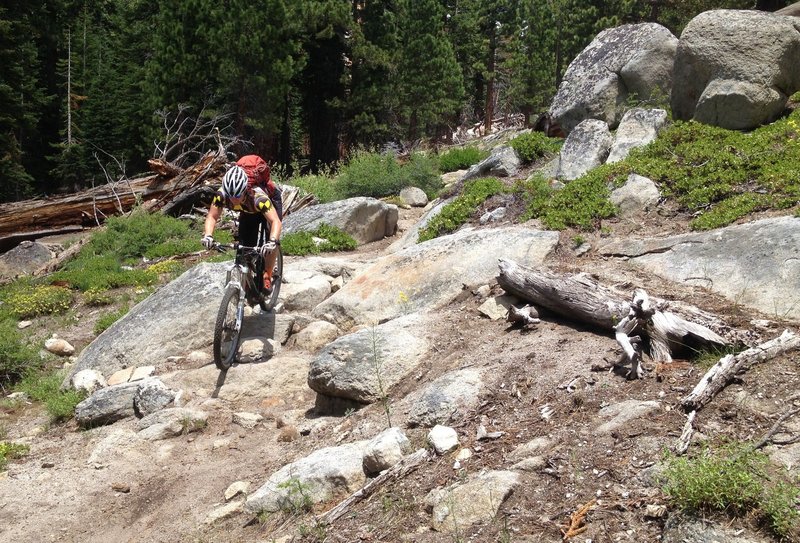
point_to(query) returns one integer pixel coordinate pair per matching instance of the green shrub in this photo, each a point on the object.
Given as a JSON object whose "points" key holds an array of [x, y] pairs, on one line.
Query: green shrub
{"points": [[11, 451], [97, 297], [582, 203], [31, 300], [532, 146], [302, 243], [734, 479], [108, 319], [380, 174], [45, 387], [460, 158], [171, 267], [101, 273], [457, 212], [143, 234], [16, 355], [323, 186]]}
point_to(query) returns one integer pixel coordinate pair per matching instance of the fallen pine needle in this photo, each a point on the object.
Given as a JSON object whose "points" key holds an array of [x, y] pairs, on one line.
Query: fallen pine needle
{"points": [[577, 521]]}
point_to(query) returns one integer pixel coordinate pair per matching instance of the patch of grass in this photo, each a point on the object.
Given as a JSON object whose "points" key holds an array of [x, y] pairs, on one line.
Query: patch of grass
{"points": [[302, 243], [26, 299], [460, 158], [380, 174], [11, 451], [457, 212], [582, 203], [101, 272], [167, 267], [97, 297], [734, 479], [143, 234], [321, 185], [16, 355], [105, 322], [45, 386], [532, 146], [297, 499]]}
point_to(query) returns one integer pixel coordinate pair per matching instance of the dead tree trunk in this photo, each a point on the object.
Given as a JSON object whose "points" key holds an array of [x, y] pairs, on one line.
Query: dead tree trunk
{"points": [[32, 219], [583, 299], [729, 366]]}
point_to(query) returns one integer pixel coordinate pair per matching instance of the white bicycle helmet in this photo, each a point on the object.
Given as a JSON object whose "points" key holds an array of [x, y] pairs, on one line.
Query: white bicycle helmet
{"points": [[235, 182]]}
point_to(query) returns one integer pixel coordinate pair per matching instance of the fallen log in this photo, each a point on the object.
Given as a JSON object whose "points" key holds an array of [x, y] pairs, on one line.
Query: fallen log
{"points": [[723, 372], [581, 298]]}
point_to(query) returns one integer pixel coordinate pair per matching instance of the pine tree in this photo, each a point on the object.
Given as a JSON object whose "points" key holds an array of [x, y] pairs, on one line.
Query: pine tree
{"points": [[430, 86], [19, 99]]}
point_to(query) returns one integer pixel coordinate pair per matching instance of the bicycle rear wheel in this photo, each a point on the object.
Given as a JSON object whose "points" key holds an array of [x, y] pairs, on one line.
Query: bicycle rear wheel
{"points": [[271, 298], [227, 330]]}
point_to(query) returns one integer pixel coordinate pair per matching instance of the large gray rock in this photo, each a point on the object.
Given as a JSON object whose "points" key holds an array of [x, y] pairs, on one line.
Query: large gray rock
{"points": [[503, 162], [755, 264], [637, 128], [171, 422], [681, 528], [411, 236], [24, 259], [107, 405], [447, 399], [302, 291], [310, 480], [638, 194], [357, 365], [430, 274], [414, 196], [585, 148], [366, 219], [458, 507], [385, 450], [629, 61], [151, 396], [736, 69], [174, 321]]}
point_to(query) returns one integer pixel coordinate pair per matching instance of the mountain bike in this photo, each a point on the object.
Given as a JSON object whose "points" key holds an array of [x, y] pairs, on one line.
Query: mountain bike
{"points": [[243, 285]]}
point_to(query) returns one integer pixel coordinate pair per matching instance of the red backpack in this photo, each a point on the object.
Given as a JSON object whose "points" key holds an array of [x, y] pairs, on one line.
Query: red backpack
{"points": [[257, 171]]}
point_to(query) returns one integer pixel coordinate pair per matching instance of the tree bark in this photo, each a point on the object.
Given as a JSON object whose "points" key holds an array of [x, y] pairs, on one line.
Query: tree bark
{"points": [[729, 366], [581, 298], [32, 219]]}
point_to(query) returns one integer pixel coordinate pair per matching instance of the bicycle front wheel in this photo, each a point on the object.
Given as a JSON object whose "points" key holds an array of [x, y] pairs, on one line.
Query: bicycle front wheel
{"points": [[227, 329], [271, 298]]}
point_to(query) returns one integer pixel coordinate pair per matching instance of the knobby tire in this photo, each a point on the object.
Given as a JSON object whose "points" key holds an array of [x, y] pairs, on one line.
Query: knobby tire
{"points": [[226, 336], [271, 299]]}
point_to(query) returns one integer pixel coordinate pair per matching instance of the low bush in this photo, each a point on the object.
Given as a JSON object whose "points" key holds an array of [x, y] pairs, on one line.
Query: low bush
{"points": [[582, 203], [532, 146], [25, 299], [734, 479], [322, 185], [143, 234], [97, 297], [302, 243], [457, 212], [101, 273], [16, 355], [460, 158], [45, 387], [380, 174]]}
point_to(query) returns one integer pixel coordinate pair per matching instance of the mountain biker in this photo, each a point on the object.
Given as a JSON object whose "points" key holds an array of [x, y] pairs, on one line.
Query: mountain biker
{"points": [[260, 207]]}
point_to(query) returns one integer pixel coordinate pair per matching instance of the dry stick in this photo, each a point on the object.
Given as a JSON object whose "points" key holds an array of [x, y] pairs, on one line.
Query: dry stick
{"points": [[775, 427], [400, 469], [682, 445], [729, 366]]}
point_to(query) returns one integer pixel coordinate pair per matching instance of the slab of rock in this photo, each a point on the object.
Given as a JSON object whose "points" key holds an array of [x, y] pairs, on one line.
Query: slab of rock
{"points": [[411, 236], [315, 478], [171, 422], [636, 196], [60, 347], [223, 511], [88, 381], [107, 405], [624, 412], [503, 162], [681, 528], [142, 372], [356, 366], [315, 336], [755, 264], [257, 349], [304, 293], [478, 500], [586, 148], [637, 128], [121, 376], [24, 259], [447, 399], [365, 219], [430, 274], [496, 307], [247, 420], [151, 396], [236, 488], [273, 326]]}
